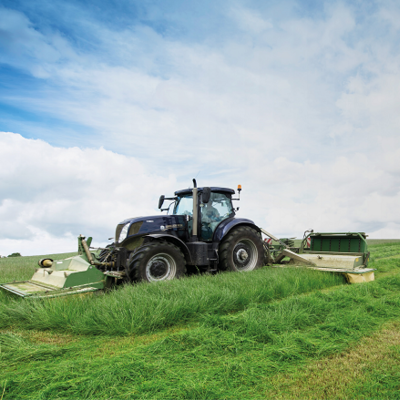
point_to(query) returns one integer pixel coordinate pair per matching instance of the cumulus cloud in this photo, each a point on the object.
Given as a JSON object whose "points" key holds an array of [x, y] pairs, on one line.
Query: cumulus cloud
{"points": [[50, 195], [349, 194]]}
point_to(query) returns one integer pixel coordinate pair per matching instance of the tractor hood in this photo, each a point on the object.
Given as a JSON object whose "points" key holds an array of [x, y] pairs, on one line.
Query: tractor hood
{"points": [[149, 224]]}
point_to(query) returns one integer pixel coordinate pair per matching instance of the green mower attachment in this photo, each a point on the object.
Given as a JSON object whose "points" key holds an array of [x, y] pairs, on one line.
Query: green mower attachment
{"points": [[74, 275], [341, 252]]}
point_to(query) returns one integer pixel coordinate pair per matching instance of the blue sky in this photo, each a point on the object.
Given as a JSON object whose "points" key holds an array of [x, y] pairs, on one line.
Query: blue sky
{"points": [[295, 100]]}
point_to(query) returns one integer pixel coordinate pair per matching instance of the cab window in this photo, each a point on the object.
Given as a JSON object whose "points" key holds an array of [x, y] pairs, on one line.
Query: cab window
{"points": [[183, 205], [212, 213]]}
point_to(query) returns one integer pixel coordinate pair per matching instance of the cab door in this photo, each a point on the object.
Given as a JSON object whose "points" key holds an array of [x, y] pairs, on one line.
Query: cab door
{"points": [[211, 214]]}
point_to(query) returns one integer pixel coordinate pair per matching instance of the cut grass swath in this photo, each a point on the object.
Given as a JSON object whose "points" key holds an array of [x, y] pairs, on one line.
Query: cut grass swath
{"points": [[145, 308], [223, 356], [370, 369], [226, 349]]}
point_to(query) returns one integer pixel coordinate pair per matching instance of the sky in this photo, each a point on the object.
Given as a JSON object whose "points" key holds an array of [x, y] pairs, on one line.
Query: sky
{"points": [[107, 104]]}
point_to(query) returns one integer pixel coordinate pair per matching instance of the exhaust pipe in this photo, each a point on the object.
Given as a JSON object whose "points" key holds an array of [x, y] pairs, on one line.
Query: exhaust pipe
{"points": [[195, 212]]}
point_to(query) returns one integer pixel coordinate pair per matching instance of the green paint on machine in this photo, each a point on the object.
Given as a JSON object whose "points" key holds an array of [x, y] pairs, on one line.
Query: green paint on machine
{"points": [[70, 276]]}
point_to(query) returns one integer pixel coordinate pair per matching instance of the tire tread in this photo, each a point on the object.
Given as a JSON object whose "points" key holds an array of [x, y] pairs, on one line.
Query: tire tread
{"points": [[142, 251], [227, 243]]}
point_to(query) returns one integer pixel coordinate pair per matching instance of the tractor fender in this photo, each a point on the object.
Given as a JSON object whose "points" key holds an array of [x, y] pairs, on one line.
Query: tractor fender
{"points": [[174, 240], [225, 226]]}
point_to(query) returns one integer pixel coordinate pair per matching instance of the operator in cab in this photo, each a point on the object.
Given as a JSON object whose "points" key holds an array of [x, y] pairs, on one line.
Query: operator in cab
{"points": [[210, 218], [210, 213]]}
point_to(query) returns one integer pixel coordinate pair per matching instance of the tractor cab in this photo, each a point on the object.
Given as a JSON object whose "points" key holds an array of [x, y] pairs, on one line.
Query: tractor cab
{"points": [[214, 206]]}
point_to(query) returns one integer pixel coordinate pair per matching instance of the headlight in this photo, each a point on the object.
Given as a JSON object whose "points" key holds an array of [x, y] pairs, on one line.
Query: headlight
{"points": [[124, 233]]}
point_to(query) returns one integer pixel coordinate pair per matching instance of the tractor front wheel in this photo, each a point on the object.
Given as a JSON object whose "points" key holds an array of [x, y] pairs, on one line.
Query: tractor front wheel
{"points": [[156, 261], [241, 250]]}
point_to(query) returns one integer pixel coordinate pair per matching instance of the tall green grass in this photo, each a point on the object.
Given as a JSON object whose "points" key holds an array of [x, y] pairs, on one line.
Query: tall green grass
{"points": [[224, 356], [374, 242], [385, 257], [145, 308], [384, 250], [234, 332], [344, 311], [385, 265]]}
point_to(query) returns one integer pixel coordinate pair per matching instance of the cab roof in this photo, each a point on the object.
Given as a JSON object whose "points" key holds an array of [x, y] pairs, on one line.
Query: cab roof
{"points": [[200, 189]]}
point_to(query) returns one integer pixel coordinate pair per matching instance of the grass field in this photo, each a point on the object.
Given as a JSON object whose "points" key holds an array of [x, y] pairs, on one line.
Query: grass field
{"points": [[271, 333]]}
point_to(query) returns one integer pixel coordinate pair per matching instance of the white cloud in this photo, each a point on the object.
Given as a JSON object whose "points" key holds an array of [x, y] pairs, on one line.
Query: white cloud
{"points": [[56, 193], [353, 193], [249, 20], [53, 194]]}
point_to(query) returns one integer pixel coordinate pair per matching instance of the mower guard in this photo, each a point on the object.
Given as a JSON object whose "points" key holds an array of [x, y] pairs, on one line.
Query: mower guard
{"points": [[72, 275], [34, 290], [341, 252]]}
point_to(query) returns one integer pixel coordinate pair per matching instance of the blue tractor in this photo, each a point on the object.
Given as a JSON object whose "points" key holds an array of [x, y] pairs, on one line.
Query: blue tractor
{"points": [[199, 232]]}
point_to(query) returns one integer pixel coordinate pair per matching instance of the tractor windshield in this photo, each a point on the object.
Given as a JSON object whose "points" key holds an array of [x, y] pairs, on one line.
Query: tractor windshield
{"points": [[218, 208], [184, 205]]}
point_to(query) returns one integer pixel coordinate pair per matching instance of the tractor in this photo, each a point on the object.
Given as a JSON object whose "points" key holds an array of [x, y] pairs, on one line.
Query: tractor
{"points": [[199, 232]]}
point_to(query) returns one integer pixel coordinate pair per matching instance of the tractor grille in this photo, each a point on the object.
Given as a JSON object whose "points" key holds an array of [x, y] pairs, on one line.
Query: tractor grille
{"points": [[134, 229]]}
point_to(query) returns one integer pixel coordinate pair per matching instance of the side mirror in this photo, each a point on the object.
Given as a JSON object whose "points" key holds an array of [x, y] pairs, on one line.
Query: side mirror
{"points": [[161, 201], [206, 195]]}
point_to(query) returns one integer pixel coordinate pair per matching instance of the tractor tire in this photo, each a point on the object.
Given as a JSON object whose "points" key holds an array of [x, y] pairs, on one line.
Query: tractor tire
{"points": [[156, 261], [242, 250]]}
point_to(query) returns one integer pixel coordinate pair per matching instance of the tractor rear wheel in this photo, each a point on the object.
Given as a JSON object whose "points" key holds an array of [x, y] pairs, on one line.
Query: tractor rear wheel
{"points": [[241, 250], [156, 261]]}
